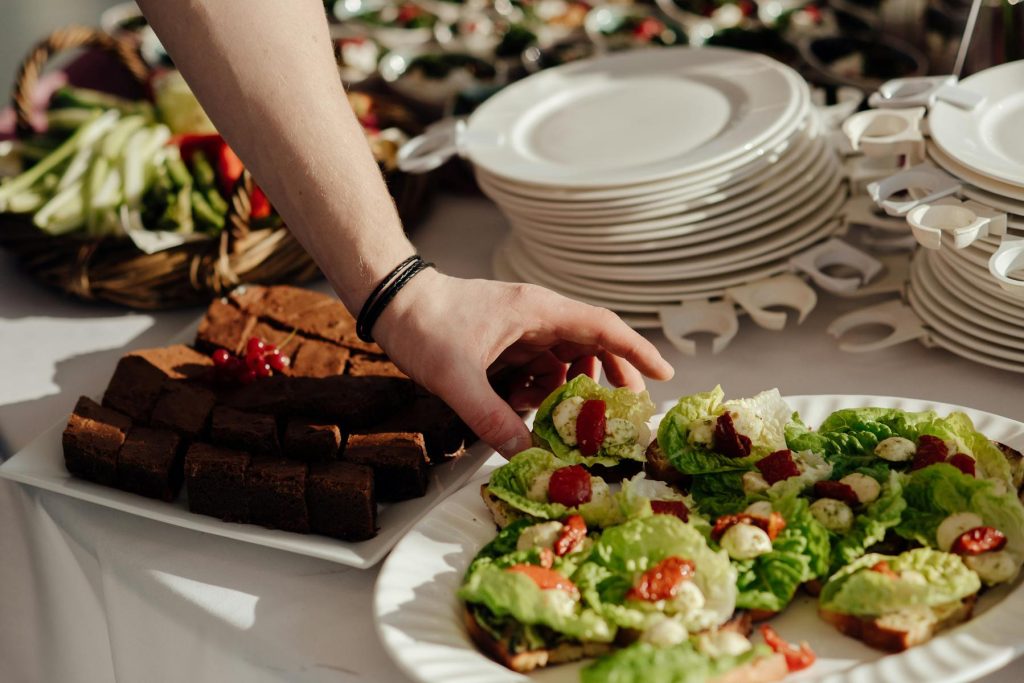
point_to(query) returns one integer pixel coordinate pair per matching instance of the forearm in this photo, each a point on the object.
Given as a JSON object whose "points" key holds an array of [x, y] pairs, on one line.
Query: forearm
{"points": [[264, 72]]}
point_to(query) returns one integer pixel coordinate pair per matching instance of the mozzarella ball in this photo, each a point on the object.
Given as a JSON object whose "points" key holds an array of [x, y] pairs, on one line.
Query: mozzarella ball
{"points": [[896, 449], [688, 598], [541, 535], [702, 431], [619, 431], [564, 418], [761, 508], [834, 515], [754, 482], [665, 632], [954, 526], [867, 488], [538, 490], [994, 567], [723, 644], [746, 541]]}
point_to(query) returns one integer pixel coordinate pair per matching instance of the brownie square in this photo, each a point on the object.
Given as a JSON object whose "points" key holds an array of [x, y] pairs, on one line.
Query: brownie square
{"points": [[340, 496], [248, 298], [276, 336], [398, 460], [276, 493], [309, 312], [139, 377], [318, 359], [92, 439], [224, 327], [184, 408], [311, 440], [253, 432], [215, 481], [150, 463], [444, 432], [362, 365]]}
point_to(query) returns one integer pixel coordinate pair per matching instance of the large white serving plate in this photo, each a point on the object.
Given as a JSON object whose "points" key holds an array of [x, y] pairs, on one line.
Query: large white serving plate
{"points": [[987, 138], [419, 617], [41, 464], [634, 117]]}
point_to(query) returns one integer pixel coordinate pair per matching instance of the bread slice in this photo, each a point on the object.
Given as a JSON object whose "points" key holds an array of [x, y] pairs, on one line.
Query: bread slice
{"points": [[502, 513], [658, 467], [899, 631]]}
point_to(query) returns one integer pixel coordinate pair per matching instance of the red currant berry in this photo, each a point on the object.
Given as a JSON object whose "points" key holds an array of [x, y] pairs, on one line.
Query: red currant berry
{"points": [[234, 365], [247, 376], [254, 360], [277, 361], [264, 370], [220, 358], [255, 345]]}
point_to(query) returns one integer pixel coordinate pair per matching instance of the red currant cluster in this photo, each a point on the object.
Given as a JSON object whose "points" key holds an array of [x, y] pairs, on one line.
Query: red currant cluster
{"points": [[261, 360]]}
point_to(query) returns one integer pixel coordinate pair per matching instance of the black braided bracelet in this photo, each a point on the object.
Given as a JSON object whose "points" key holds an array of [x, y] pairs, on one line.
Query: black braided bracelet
{"points": [[384, 292]]}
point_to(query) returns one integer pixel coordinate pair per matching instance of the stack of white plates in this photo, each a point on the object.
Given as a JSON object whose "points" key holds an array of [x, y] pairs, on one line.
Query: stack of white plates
{"points": [[640, 180]]}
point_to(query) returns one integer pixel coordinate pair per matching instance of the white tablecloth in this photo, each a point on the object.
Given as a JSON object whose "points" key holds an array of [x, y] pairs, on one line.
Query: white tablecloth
{"points": [[90, 594]]}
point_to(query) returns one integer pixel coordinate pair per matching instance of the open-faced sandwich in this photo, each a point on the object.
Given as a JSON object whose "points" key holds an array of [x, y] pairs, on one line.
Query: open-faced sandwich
{"points": [[897, 519]]}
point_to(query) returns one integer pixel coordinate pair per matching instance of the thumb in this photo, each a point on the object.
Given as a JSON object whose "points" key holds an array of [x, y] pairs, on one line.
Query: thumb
{"points": [[487, 414]]}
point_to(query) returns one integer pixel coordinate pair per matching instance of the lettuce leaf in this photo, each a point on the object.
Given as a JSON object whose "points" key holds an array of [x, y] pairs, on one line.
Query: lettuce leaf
{"points": [[762, 418], [935, 492], [621, 403], [871, 525], [514, 483], [513, 594], [683, 663], [718, 494], [858, 591]]}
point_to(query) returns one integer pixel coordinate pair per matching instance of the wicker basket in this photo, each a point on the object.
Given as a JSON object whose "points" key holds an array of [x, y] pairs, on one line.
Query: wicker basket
{"points": [[113, 269]]}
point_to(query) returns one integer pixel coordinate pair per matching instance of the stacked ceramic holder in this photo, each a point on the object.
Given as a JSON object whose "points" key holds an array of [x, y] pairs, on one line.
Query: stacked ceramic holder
{"points": [[676, 187], [962, 197]]}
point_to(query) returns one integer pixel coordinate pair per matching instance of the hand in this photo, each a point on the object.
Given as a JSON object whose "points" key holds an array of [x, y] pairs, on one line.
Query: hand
{"points": [[453, 336]]}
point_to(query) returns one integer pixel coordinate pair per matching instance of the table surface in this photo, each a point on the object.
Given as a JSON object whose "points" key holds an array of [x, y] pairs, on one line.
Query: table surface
{"points": [[91, 594]]}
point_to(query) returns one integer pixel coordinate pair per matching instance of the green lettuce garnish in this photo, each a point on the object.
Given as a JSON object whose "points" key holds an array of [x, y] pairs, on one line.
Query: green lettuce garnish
{"points": [[857, 590], [935, 492], [871, 524], [620, 403], [515, 481], [682, 663]]}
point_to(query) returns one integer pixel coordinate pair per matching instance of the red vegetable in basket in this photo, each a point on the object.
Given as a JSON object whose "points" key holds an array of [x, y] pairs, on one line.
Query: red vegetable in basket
{"points": [[229, 166]]}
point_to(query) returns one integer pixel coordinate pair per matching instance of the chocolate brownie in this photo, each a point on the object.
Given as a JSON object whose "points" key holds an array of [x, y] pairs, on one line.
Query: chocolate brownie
{"points": [[311, 440], [341, 502], [185, 408], [253, 432], [363, 365], [276, 493], [224, 327], [398, 460], [140, 376], [315, 358], [309, 312], [444, 432], [215, 481], [248, 298], [150, 463], [284, 340], [92, 439]]}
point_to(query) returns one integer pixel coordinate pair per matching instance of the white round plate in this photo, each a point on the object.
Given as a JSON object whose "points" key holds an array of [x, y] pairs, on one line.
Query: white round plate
{"points": [[812, 189], [1014, 210], [924, 304], [988, 138], [638, 292], [747, 190], [975, 296], [419, 618], [958, 170], [964, 316], [977, 276], [633, 117], [783, 243]]}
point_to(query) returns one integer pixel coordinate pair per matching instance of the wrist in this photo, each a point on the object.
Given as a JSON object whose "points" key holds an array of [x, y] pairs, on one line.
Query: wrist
{"points": [[418, 296]]}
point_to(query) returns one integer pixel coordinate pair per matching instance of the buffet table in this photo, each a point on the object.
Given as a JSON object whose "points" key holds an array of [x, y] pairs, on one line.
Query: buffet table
{"points": [[92, 594]]}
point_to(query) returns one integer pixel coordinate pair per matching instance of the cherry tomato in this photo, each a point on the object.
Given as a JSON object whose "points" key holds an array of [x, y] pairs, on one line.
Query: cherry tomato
{"points": [[661, 581], [778, 466], [836, 490], [590, 426], [980, 539], [882, 567], [648, 28], [772, 525], [671, 507], [964, 463], [574, 530], [797, 659], [545, 578], [930, 450], [570, 486], [727, 440]]}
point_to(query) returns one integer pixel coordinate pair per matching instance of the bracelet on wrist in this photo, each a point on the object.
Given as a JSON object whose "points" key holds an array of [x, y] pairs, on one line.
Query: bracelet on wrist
{"points": [[385, 292]]}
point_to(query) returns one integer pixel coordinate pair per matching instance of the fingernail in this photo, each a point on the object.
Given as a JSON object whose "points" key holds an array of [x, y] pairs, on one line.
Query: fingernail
{"points": [[515, 445]]}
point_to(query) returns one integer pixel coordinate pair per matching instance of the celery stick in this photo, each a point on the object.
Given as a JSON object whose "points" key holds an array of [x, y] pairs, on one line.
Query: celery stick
{"points": [[203, 171], [68, 119], [63, 213], [26, 202], [205, 214], [113, 144]]}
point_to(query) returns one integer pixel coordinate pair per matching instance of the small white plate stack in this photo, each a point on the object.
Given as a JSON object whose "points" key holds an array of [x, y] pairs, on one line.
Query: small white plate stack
{"points": [[641, 180], [966, 285]]}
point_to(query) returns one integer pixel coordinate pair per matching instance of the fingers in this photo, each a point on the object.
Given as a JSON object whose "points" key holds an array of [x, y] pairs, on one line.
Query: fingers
{"points": [[620, 373], [590, 326], [535, 380], [470, 395], [584, 365]]}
